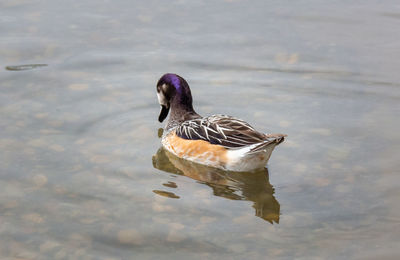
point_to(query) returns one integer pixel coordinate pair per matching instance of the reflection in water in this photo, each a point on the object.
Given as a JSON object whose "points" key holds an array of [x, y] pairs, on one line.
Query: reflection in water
{"points": [[251, 186], [166, 194]]}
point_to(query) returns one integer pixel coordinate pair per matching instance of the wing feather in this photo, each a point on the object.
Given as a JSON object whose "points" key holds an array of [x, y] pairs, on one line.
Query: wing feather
{"points": [[227, 131]]}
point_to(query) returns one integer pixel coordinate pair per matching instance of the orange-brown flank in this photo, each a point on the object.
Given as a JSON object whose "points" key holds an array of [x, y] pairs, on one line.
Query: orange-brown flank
{"points": [[196, 150]]}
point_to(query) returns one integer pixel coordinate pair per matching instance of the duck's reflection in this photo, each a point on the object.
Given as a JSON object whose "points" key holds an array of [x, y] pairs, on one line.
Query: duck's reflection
{"points": [[252, 186]]}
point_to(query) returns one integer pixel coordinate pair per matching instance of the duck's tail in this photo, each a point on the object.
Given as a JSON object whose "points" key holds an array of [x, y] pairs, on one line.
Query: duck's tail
{"points": [[271, 141]]}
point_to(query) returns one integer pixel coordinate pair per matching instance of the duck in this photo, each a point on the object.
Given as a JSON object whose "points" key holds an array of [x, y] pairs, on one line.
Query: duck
{"points": [[218, 141]]}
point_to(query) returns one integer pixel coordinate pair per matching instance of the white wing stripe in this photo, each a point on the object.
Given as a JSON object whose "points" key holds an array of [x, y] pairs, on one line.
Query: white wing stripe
{"points": [[230, 132]]}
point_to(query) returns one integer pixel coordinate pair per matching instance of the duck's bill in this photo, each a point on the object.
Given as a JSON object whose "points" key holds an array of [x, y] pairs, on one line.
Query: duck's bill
{"points": [[163, 113]]}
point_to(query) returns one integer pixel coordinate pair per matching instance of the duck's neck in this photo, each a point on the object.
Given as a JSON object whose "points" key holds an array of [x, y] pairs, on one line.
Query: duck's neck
{"points": [[181, 110]]}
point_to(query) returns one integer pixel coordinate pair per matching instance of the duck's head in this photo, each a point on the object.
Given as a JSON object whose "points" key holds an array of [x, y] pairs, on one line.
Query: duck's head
{"points": [[173, 92]]}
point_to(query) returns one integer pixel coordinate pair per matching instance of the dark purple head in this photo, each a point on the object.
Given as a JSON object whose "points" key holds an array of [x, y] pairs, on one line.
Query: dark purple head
{"points": [[173, 91]]}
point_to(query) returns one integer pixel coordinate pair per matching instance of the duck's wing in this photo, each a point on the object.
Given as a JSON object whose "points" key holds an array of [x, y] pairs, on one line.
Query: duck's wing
{"points": [[223, 130]]}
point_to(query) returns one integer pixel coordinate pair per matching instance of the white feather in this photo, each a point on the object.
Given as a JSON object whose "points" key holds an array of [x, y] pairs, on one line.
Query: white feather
{"points": [[242, 160]]}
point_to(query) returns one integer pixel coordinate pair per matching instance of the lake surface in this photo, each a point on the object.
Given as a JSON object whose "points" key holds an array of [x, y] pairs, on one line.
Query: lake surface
{"points": [[82, 173]]}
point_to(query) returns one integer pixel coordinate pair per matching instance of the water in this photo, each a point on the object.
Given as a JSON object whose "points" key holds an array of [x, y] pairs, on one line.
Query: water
{"points": [[82, 176]]}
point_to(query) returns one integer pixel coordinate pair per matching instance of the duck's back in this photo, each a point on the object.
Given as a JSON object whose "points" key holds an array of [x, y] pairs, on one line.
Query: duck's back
{"points": [[221, 141]]}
